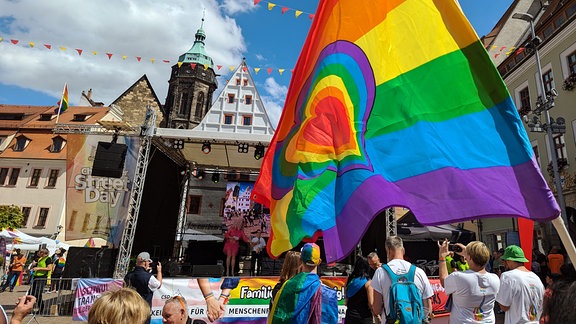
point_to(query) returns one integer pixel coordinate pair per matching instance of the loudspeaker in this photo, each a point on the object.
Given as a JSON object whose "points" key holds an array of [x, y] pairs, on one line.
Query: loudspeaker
{"points": [[83, 262], [109, 160]]}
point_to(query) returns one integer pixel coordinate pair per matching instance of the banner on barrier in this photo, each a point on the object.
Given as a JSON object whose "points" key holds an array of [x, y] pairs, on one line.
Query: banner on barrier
{"points": [[87, 291]]}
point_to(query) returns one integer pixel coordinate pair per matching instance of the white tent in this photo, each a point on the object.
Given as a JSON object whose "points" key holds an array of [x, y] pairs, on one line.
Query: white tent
{"points": [[25, 242]]}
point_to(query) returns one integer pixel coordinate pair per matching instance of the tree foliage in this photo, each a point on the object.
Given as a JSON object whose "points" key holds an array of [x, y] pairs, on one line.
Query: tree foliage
{"points": [[11, 217]]}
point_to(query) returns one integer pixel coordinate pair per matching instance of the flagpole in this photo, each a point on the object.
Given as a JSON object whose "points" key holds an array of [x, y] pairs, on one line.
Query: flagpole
{"points": [[61, 102], [565, 238]]}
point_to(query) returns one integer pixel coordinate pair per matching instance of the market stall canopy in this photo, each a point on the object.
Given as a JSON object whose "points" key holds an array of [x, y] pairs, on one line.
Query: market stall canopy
{"points": [[25, 242]]}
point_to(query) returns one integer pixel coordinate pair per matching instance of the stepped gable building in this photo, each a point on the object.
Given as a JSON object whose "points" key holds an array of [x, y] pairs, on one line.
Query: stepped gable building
{"points": [[191, 86]]}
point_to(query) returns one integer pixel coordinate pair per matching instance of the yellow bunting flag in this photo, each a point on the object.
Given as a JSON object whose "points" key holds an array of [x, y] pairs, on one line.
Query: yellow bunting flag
{"points": [[95, 53], [0, 39], [62, 48], [124, 57], [31, 44], [180, 64], [281, 71], [152, 60], [271, 5], [256, 70], [231, 68], [205, 66], [298, 13]]}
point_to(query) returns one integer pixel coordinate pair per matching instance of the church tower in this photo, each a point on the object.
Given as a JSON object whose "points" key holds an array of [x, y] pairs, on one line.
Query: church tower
{"points": [[191, 86]]}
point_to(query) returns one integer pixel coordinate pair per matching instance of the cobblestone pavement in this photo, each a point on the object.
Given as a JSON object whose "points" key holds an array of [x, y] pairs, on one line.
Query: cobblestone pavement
{"points": [[8, 301]]}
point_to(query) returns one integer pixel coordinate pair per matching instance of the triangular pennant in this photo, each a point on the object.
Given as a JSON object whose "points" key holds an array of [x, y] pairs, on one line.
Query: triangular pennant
{"points": [[31, 44], [291, 70], [166, 61], [124, 57], [244, 69], [95, 53], [256, 70], [284, 9], [502, 48], [219, 66], [180, 64], [0, 39], [281, 71], [269, 70], [271, 5], [493, 47], [510, 50], [297, 13], [109, 55], [48, 46], [206, 66], [520, 50], [14, 41], [311, 16], [62, 48], [256, 2], [152, 60], [231, 67], [79, 51], [138, 58], [193, 66]]}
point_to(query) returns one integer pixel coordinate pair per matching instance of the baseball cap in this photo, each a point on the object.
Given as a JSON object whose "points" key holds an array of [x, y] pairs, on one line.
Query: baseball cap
{"points": [[144, 256], [514, 253], [310, 254]]}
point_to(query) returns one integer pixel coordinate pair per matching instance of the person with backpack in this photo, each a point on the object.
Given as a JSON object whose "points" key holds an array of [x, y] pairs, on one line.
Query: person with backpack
{"points": [[473, 291], [402, 291]]}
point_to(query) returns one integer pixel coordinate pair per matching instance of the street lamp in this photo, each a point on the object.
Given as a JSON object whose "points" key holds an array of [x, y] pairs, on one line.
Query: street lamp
{"points": [[544, 103]]}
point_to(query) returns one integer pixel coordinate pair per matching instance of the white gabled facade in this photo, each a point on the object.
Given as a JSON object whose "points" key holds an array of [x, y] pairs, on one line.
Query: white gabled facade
{"points": [[238, 108]]}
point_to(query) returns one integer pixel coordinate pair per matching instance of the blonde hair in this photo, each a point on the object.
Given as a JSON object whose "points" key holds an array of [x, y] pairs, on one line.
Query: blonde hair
{"points": [[291, 265], [478, 252], [121, 306]]}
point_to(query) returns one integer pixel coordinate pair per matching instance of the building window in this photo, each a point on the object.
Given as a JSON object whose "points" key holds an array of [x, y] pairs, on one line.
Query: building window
{"points": [[560, 146], [194, 203], [52, 178], [185, 104], [199, 105], [3, 175], [42, 217], [230, 98], [57, 144], [245, 82], [524, 99], [72, 222], [228, 119], [248, 99], [548, 81], [85, 223], [572, 62], [548, 31], [14, 176], [247, 120], [21, 142], [26, 214], [571, 10], [35, 178], [237, 81], [559, 21]]}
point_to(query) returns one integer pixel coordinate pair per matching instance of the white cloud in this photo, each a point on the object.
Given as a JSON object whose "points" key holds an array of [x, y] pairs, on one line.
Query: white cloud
{"points": [[236, 6], [160, 30], [274, 101]]}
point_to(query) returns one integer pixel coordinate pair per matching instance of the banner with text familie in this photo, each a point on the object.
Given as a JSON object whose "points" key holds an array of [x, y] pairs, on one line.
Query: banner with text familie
{"points": [[87, 291], [248, 303], [96, 206]]}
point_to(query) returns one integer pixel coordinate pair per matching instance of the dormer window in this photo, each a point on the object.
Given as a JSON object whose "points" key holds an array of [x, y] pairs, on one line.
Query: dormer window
{"points": [[11, 116], [57, 144], [81, 117], [46, 117], [21, 143]]}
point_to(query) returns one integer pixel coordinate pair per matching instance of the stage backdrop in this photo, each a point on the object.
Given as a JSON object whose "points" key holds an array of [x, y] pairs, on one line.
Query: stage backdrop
{"points": [[96, 206]]}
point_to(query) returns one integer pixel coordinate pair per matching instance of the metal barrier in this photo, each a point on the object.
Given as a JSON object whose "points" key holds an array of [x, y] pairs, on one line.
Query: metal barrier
{"points": [[54, 297]]}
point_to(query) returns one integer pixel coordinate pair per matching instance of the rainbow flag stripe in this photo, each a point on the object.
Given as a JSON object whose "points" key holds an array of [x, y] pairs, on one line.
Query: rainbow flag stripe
{"points": [[395, 103]]}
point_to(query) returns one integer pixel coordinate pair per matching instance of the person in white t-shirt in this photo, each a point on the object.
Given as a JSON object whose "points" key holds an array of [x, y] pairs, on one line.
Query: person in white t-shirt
{"points": [[521, 292], [474, 290], [381, 281], [258, 246]]}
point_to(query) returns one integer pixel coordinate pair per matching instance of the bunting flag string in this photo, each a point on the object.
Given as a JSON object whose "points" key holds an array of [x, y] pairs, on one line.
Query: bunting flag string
{"points": [[283, 10], [79, 51]]}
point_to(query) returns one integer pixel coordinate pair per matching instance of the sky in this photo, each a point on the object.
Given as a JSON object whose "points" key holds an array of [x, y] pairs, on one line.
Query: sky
{"points": [[111, 34]]}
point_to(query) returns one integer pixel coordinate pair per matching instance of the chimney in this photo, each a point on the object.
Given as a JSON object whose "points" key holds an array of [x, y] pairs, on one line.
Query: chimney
{"points": [[89, 94]]}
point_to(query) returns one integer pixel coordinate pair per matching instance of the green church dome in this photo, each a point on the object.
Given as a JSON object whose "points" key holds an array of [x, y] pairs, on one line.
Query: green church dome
{"points": [[197, 54]]}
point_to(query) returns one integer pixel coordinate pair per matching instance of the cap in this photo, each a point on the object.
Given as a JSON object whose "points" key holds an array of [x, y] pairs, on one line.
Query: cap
{"points": [[514, 253], [310, 254], [144, 256]]}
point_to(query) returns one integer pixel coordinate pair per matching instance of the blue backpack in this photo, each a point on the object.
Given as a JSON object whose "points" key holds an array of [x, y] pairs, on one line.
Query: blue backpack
{"points": [[405, 299]]}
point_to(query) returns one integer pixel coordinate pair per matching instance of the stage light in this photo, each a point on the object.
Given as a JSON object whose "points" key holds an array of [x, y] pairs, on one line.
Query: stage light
{"points": [[206, 148], [259, 151], [243, 148], [178, 144], [215, 177]]}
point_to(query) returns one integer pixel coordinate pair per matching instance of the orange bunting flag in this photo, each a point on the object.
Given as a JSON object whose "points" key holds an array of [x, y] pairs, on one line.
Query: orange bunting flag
{"points": [[180, 64], [244, 69], [14, 41], [48, 46], [109, 55], [256, 70], [269, 70], [284, 9], [502, 48], [31, 44], [219, 66], [79, 51], [520, 50], [271, 5], [298, 13], [311, 16], [193, 66], [166, 61], [256, 2], [281, 71]]}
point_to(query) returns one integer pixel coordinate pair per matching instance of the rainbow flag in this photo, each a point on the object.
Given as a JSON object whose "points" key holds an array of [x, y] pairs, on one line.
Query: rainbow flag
{"points": [[90, 243], [63, 103], [395, 103]]}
